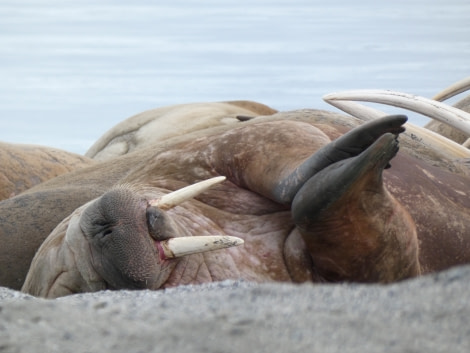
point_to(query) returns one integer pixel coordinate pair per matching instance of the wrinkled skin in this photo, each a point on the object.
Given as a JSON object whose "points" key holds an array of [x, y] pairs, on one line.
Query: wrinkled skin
{"points": [[318, 211], [359, 230]]}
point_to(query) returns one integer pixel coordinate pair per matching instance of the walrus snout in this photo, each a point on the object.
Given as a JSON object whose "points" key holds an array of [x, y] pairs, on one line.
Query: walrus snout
{"points": [[156, 223]]}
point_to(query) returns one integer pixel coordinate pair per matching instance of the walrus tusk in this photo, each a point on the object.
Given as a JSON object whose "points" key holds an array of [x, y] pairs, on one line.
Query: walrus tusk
{"points": [[179, 196], [431, 108], [178, 247], [453, 90], [357, 110], [426, 137]]}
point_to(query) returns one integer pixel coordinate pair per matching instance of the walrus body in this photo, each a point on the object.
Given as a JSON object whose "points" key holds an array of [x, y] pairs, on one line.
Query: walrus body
{"points": [[303, 217], [24, 166], [162, 123]]}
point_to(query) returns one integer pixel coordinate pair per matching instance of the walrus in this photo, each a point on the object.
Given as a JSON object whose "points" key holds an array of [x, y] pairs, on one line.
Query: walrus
{"points": [[305, 190], [24, 166], [163, 123]]}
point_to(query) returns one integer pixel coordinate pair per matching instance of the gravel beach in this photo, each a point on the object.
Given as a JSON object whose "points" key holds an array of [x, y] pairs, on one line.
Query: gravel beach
{"points": [[427, 314]]}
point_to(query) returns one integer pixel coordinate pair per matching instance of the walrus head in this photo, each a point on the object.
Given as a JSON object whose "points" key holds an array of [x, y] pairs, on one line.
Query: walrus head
{"points": [[122, 239], [119, 240]]}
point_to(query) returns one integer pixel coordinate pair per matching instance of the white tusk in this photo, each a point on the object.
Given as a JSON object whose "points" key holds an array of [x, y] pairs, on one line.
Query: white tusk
{"points": [[178, 247], [426, 137], [449, 115], [189, 192], [357, 110], [453, 90]]}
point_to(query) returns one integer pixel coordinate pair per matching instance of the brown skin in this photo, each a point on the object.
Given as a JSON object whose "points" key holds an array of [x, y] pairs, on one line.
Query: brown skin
{"points": [[162, 123], [360, 233], [353, 227], [24, 166], [439, 203], [275, 249], [27, 219]]}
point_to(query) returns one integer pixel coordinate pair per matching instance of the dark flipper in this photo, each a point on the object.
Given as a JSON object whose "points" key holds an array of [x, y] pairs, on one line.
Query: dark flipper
{"points": [[349, 145], [330, 184], [353, 227]]}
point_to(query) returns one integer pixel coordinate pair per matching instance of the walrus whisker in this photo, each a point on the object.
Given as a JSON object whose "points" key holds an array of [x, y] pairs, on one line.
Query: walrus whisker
{"points": [[177, 197], [445, 113], [179, 247]]}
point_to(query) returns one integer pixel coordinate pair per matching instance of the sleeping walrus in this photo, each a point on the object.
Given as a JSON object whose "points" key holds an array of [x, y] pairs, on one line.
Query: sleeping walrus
{"points": [[24, 166], [306, 191]]}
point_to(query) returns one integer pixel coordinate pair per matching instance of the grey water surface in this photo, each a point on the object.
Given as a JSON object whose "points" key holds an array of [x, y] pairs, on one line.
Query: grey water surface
{"points": [[69, 70]]}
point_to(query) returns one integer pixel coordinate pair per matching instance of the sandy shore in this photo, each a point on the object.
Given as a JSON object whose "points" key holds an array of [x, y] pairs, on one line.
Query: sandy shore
{"points": [[428, 314]]}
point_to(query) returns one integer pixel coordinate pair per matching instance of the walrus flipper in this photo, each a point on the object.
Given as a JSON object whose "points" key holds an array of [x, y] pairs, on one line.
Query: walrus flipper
{"points": [[348, 145], [353, 227]]}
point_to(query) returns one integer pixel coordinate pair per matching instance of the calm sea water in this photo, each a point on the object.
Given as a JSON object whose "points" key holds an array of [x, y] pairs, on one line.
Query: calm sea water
{"points": [[69, 70]]}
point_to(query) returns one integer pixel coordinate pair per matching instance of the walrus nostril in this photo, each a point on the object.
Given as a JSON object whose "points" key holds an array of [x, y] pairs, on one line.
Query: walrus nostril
{"points": [[156, 223]]}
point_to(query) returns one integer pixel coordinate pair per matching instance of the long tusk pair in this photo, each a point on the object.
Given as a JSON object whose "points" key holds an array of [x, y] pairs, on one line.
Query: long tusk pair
{"points": [[434, 109], [342, 100], [440, 111], [189, 192], [178, 247]]}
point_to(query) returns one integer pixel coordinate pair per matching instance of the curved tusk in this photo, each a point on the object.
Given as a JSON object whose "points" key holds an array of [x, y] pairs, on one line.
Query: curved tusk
{"points": [[449, 115], [453, 90], [357, 110], [177, 197], [426, 137], [178, 247]]}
